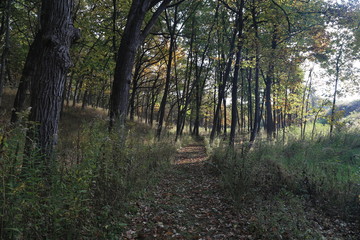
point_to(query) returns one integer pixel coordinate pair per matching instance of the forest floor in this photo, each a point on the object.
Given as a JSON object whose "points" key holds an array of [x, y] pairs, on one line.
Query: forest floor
{"points": [[189, 203]]}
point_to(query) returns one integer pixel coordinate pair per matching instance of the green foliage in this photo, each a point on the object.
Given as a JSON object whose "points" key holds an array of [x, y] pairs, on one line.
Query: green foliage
{"points": [[279, 179], [284, 217], [83, 197]]}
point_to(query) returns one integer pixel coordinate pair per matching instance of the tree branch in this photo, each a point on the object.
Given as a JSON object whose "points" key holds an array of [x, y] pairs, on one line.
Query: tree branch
{"points": [[175, 4], [153, 19], [228, 6], [285, 13]]}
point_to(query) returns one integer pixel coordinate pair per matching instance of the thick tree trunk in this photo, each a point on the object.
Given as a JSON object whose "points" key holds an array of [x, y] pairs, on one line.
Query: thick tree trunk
{"points": [[125, 60], [53, 61], [132, 37]]}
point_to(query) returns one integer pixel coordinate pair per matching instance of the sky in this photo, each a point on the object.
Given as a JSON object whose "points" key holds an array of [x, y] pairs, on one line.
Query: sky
{"points": [[324, 84]]}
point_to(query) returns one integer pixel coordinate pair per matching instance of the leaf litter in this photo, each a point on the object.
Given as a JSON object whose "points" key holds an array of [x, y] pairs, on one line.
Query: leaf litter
{"points": [[189, 203]]}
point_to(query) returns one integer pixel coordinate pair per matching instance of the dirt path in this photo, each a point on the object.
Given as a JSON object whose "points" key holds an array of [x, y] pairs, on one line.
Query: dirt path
{"points": [[188, 203]]}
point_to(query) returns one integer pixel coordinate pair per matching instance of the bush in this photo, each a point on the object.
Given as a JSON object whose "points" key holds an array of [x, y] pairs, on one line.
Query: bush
{"points": [[86, 194], [324, 172]]}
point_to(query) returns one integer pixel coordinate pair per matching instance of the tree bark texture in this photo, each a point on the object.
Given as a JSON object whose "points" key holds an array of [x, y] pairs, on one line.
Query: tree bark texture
{"points": [[53, 61]]}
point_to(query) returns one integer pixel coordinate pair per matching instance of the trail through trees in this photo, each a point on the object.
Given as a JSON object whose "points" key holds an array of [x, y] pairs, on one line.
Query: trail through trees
{"points": [[188, 203]]}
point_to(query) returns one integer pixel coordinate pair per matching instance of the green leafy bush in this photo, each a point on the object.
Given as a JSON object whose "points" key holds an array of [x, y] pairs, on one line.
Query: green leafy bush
{"points": [[323, 172], [86, 193]]}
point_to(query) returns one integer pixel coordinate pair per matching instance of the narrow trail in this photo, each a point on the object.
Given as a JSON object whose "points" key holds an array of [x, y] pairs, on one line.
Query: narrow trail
{"points": [[188, 203]]}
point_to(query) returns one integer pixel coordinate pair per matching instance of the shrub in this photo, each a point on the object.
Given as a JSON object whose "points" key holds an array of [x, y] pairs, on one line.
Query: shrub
{"points": [[87, 192], [323, 172]]}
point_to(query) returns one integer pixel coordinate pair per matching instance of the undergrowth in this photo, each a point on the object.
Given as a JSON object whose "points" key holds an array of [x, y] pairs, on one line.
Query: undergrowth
{"points": [[280, 181], [87, 191]]}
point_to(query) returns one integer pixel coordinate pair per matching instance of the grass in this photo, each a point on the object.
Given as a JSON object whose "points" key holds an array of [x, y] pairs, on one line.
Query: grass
{"points": [[281, 180], [92, 179]]}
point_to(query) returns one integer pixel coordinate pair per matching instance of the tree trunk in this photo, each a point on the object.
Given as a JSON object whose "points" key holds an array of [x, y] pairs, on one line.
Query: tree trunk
{"points": [[132, 37], [240, 26], [221, 93], [130, 42], [26, 78], [5, 52], [234, 114], [268, 88], [53, 60], [172, 31], [337, 74], [225, 116], [68, 95], [250, 104]]}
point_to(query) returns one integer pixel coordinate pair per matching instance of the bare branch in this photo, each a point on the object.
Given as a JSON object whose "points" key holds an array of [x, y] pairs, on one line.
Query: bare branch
{"points": [[175, 4], [153, 19]]}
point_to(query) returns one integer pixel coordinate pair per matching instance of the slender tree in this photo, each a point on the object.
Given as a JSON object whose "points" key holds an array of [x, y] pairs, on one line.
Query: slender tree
{"points": [[172, 31], [5, 53]]}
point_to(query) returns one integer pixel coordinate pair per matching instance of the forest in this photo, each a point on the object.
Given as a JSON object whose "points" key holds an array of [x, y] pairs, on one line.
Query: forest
{"points": [[179, 119]]}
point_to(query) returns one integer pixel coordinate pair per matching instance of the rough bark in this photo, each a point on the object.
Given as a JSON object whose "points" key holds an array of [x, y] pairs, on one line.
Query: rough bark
{"points": [[53, 61]]}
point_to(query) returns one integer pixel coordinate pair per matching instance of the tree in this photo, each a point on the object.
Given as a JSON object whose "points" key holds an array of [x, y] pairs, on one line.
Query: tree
{"points": [[255, 128], [3, 61], [132, 38], [224, 77], [171, 26], [339, 66], [240, 26], [52, 42]]}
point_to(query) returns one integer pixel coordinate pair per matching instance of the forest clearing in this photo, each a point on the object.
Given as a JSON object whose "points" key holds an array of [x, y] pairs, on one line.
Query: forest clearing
{"points": [[173, 119]]}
